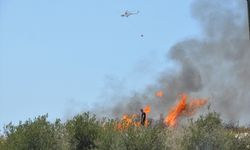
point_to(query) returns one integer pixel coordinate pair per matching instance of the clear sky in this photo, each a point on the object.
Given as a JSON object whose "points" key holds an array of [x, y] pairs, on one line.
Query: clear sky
{"points": [[57, 56]]}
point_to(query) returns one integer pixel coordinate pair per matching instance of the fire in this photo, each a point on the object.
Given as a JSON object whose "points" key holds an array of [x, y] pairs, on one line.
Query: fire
{"points": [[182, 108], [133, 120], [159, 94], [128, 121], [147, 110], [194, 105], [176, 111]]}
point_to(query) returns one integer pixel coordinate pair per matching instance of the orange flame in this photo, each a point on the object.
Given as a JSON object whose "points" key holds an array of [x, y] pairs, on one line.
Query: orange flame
{"points": [[147, 110], [159, 94], [194, 105], [130, 120], [182, 108], [175, 111], [127, 121]]}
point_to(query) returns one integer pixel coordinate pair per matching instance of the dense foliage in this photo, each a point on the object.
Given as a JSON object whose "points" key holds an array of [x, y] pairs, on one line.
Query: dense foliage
{"points": [[84, 132]]}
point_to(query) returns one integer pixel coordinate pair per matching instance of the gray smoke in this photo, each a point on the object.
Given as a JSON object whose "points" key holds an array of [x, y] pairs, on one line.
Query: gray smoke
{"points": [[216, 65]]}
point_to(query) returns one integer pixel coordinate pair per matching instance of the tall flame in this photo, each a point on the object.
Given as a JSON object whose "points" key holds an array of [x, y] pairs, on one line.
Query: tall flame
{"points": [[176, 111], [182, 108]]}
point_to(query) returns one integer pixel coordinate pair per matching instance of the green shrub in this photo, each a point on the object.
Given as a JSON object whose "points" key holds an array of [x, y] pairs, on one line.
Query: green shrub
{"points": [[31, 135], [145, 138], [82, 130], [240, 140], [109, 137], [206, 133], [2, 142], [131, 138]]}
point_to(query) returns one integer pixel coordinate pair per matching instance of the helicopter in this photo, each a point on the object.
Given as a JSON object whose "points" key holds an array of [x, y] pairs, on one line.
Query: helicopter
{"points": [[129, 13]]}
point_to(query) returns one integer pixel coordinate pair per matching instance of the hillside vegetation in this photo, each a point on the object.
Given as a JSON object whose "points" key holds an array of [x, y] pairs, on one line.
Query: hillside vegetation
{"points": [[84, 132]]}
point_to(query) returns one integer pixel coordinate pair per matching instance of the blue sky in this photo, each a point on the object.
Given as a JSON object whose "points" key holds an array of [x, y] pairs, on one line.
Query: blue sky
{"points": [[57, 56]]}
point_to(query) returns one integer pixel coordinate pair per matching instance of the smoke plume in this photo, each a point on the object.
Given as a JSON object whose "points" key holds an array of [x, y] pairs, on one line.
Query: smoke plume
{"points": [[216, 65]]}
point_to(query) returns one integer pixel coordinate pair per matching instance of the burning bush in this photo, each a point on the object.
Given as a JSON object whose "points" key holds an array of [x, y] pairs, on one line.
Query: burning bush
{"points": [[84, 131], [183, 108]]}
